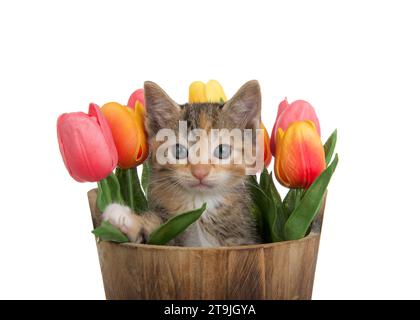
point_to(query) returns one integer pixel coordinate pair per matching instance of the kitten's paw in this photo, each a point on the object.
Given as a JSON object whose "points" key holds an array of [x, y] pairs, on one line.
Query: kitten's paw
{"points": [[121, 217], [137, 227], [116, 214]]}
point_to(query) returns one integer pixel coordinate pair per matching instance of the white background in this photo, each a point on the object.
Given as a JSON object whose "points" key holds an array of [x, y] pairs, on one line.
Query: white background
{"points": [[357, 62]]}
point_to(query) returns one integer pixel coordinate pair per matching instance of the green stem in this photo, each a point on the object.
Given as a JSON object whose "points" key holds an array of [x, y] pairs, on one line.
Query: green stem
{"points": [[108, 192], [131, 190]]}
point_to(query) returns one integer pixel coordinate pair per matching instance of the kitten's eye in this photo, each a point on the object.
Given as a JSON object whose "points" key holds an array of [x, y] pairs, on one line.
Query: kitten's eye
{"points": [[222, 151], [179, 151]]}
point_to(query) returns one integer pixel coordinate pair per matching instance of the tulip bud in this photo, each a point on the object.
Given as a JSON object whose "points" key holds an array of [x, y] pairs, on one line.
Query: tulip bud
{"points": [[300, 157], [86, 145], [298, 110], [137, 95], [212, 92], [197, 92], [127, 127]]}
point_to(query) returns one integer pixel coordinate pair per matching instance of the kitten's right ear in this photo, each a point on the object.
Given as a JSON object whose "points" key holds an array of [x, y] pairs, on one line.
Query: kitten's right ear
{"points": [[244, 108], [162, 111]]}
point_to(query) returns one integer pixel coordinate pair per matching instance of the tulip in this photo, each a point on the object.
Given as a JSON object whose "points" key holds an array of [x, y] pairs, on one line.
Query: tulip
{"points": [[300, 157], [197, 92], [127, 127], [212, 92], [137, 95], [267, 152], [86, 145], [298, 110]]}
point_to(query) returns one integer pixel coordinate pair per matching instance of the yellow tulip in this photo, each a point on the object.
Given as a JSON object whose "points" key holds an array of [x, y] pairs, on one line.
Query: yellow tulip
{"points": [[197, 92], [212, 92]]}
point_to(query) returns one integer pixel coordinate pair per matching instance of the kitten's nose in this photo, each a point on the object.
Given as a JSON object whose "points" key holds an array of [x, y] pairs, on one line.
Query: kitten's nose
{"points": [[200, 171]]}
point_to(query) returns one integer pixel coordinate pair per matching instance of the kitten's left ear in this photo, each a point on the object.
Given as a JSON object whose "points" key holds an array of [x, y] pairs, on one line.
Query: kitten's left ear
{"points": [[162, 111], [244, 108]]}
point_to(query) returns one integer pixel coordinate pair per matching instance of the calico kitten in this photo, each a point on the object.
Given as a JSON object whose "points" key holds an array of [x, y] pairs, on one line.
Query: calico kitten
{"points": [[177, 188]]}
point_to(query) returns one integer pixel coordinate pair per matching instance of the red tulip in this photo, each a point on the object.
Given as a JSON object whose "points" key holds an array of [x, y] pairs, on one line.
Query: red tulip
{"points": [[137, 95], [86, 145], [298, 110]]}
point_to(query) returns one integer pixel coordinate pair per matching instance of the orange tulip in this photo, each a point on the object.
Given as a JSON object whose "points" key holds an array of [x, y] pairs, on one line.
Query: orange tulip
{"points": [[300, 157], [267, 151], [127, 127]]}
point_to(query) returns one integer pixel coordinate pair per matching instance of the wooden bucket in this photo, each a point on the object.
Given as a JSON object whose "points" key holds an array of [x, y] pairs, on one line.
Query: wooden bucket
{"points": [[283, 270]]}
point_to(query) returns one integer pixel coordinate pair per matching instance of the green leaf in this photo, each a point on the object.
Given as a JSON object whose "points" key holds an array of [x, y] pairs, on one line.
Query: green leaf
{"points": [[253, 180], [145, 175], [268, 209], [255, 209], [108, 192], [281, 221], [274, 193], [108, 232], [301, 218], [265, 180], [292, 200], [329, 147], [174, 226], [131, 191], [281, 209], [259, 208], [256, 212], [269, 188]]}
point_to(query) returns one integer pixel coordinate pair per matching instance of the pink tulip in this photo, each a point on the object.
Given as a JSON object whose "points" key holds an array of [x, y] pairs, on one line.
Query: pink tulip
{"points": [[298, 110], [137, 95], [86, 145]]}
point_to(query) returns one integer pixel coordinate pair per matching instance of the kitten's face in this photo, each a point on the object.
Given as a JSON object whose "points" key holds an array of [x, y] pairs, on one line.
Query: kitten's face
{"points": [[200, 165]]}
